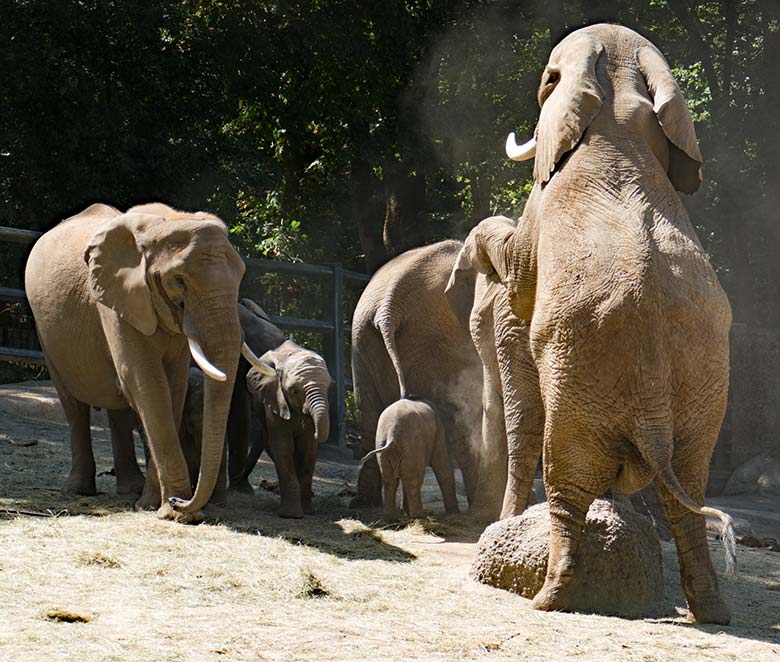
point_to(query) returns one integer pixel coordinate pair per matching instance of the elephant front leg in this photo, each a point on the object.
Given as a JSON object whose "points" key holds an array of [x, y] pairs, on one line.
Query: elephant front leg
{"points": [[699, 580], [305, 461], [129, 479], [289, 488]]}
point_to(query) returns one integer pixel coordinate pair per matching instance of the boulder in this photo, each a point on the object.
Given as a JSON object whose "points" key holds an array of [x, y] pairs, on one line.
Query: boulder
{"points": [[620, 570], [759, 475]]}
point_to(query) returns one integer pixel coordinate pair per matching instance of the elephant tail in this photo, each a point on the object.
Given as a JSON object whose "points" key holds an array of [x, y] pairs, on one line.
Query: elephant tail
{"points": [[388, 336], [665, 473], [381, 449]]}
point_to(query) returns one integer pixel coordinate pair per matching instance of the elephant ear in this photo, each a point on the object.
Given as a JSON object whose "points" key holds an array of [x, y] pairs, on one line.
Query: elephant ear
{"points": [[269, 388], [459, 291], [117, 270], [672, 112], [570, 97]]}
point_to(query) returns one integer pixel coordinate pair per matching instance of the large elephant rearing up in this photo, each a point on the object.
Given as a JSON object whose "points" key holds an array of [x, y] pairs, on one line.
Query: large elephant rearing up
{"points": [[628, 323], [118, 299]]}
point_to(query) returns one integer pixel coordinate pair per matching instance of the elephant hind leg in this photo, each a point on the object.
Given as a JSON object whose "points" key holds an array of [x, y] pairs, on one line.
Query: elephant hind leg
{"points": [[575, 473], [81, 479], [442, 469], [129, 479], [699, 580]]}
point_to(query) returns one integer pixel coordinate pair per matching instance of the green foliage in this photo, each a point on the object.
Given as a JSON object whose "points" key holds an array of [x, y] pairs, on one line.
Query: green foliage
{"points": [[338, 131]]}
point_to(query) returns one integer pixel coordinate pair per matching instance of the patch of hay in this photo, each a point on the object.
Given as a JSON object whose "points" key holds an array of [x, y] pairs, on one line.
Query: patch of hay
{"points": [[99, 559], [65, 616], [311, 586]]}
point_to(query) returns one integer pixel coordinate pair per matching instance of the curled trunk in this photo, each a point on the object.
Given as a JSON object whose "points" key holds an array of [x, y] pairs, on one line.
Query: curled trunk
{"points": [[316, 406]]}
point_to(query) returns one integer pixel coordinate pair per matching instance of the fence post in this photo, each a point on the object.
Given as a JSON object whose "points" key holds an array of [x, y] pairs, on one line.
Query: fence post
{"points": [[338, 353]]}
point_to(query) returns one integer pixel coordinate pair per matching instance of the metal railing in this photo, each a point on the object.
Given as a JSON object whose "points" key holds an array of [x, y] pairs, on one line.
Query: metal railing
{"points": [[334, 327]]}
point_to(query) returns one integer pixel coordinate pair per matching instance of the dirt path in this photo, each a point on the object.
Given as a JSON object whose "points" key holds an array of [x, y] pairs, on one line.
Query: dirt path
{"points": [[340, 585]]}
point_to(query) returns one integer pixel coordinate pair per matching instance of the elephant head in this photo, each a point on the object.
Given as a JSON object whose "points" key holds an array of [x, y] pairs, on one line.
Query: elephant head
{"points": [[607, 78], [299, 387], [177, 272]]}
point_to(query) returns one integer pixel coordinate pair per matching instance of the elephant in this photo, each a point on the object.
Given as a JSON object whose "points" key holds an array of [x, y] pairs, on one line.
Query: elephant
{"points": [[628, 322], [410, 436], [513, 414], [292, 410], [409, 337], [261, 335], [120, 301]]}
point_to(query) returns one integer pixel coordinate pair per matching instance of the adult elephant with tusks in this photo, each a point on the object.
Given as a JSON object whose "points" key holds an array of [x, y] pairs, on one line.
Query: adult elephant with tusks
{"points": [[120, 302], [628, 323]]}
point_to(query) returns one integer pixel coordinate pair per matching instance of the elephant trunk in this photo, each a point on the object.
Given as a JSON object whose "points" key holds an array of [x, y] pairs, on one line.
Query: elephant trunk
{"points": [[214, 327], [316, 406]]}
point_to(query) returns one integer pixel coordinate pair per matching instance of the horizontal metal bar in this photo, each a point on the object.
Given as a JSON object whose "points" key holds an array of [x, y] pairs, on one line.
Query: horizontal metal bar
{"points": [[289, 267], [11, 294], [298, 324], [21, 355], [356, 275], [19, 236]]}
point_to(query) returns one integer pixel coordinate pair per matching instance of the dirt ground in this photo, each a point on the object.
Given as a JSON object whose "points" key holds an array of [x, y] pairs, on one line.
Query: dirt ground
{"points": [[247, 585]]}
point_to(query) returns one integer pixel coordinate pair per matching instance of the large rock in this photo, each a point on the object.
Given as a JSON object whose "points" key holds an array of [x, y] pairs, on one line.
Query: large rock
{"points": [[620, 570], [759, 475]]}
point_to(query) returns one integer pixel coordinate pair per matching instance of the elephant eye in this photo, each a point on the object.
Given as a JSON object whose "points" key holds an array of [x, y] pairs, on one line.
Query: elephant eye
{"points": [[552, 78], [180, 281]]}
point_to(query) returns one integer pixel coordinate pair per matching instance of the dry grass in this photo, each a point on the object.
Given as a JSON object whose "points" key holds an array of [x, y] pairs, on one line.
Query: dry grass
{"points": [[338, 586]]}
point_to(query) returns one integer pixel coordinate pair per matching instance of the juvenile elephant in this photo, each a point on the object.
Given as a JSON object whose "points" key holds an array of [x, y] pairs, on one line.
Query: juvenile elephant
{"points": [[410, 436], [628, 323], [513, 414], [261, 335], [408, 336], [120, 301], [292, 406]]}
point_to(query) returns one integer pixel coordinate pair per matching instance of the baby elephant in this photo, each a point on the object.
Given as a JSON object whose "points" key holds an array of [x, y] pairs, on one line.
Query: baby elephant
{"points": [[410, 437], [293, 408]]}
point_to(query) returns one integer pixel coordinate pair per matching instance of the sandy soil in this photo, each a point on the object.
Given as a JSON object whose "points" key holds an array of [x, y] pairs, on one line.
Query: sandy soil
{"points": [[339, 585]]}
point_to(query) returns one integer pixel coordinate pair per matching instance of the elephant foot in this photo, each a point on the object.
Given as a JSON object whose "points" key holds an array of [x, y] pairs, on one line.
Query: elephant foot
{"points": [[167, 511], [147, 502], [556, 594], [130, 486], [242, 487], [77, 485], [290, 512], [220, 500], [715, 611]]}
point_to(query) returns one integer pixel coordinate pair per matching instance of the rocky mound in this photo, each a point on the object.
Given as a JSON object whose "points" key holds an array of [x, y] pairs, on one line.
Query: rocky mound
{"points": [[620, 559]]}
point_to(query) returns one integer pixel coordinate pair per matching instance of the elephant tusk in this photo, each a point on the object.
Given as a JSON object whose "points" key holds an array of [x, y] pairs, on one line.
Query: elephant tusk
{"points": [[520, 152], [203, 363], [261, 365]]}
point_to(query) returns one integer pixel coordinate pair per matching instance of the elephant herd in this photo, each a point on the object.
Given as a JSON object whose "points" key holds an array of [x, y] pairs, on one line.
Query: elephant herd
{"points": [[592, 332]]}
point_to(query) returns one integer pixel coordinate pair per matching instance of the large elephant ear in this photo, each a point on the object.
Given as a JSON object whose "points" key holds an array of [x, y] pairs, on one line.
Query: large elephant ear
{"points": [[117, 270], [268, 389], [459, 291], [570, 97], [672, 112]]}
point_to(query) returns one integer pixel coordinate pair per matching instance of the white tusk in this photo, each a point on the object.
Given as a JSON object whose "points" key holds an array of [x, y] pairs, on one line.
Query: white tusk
{"points": [[203, 363], [520, 152], [261, 365]]}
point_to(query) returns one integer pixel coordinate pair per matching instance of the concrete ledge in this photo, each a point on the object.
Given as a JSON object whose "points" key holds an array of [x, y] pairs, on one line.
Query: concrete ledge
{"points": [[39, 400]]}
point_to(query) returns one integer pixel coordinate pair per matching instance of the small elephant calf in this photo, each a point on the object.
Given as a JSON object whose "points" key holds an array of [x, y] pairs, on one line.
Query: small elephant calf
{"points": [[410, 437]]}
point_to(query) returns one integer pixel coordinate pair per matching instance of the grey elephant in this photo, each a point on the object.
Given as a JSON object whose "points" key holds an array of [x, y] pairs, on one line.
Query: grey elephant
{"points": [[120, 302], [408, 336], [410, 436], [292, 410], [628, 323], [513, 414], [261, 335]]}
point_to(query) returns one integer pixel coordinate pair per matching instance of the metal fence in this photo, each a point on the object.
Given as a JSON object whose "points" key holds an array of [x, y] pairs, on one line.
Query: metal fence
{"points": [[333, 328]]}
